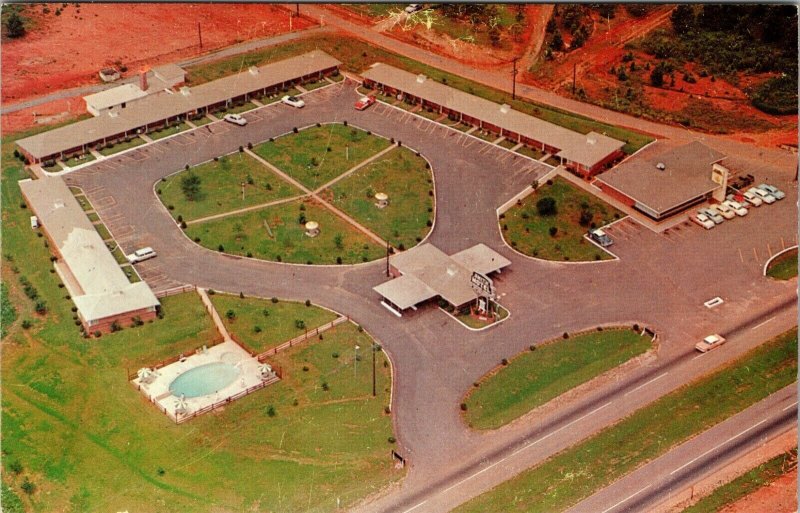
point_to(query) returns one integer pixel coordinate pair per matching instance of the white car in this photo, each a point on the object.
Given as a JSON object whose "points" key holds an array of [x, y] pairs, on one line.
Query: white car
{"points": [[709, 343], [140, 255], [772, 190], [236, 119], [712, 214], [293, 101], [725, 211], [703, 221], [766, 197], [752, 198], [737, 207]]}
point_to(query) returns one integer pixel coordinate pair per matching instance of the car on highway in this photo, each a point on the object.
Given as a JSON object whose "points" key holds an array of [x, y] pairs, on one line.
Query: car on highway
{"points": [[766, 197], [771, 189], [140, 255], [703, 221], [712, 214], [364, 102], [709, 343], [600, 237], [294, 101], [736, 207], [725, 211], [752, 198], [236, 119]]}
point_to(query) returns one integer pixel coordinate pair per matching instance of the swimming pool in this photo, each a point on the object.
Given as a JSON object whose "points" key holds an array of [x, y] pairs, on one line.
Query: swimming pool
{"points": [[204, 380]]}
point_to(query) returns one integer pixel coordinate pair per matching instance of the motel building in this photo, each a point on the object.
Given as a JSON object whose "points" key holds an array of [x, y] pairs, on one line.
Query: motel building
{"points": [[128, 111], [425, 274], [583, 154]]}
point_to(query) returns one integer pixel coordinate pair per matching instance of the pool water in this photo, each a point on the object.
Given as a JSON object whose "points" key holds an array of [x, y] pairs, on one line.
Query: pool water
{"points": [[204, 380]]}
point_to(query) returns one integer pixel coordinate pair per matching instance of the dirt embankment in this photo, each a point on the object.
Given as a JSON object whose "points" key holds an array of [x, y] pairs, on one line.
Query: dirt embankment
{"points": [[68, 49]]}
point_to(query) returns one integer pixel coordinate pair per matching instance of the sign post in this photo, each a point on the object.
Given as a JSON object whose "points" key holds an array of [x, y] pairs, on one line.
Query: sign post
{"points": [[484, 286]]}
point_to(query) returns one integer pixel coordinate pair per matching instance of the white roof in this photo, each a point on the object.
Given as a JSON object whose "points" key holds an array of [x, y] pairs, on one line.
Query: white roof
{"points": [[405, 291], [587, 149], [481, 258], [114, 96], [104, 290]]}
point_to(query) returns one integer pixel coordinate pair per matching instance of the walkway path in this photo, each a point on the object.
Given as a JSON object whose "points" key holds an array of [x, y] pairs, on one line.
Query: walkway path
{"points": [[214, 314]]}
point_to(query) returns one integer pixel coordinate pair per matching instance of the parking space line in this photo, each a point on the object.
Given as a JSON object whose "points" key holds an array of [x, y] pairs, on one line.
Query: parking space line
{"points": [[761, 324]]}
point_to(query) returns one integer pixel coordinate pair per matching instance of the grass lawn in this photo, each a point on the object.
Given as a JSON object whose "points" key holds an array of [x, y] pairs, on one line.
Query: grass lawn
{"points": [[305, 156], [131, 273], [119, 256], [103, 231], [93, 217], [261, 324], [579, 471], [476, 324], [507, 143], [745, 484], [55, 168], [531, 152], [529, 232], [488, 136], [237, 109], [221, 187], [315, 85], [403, 177], [82, 159], [79, 430], [84, 202], [166, 132], [246, 233], [8, 314], [535, 377], [357, 56], [122, 146], [202, 121], [784, 267]]}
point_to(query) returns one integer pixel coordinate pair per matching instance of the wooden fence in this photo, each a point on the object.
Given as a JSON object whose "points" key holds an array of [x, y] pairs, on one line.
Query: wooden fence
{"points": [[174, 291], [302, 338], [179, 419], [163, 363]]}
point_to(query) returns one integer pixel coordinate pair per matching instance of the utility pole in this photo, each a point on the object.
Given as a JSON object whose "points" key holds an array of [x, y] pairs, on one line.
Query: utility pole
{"points": [[387, 259], [297, 9], [514, 78], [574, 75], [199, 35]]}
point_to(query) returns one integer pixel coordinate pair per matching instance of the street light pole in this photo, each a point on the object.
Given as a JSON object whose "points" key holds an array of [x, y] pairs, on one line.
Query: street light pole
{"points": [[355, 360], [374, 350], [514, 79]]}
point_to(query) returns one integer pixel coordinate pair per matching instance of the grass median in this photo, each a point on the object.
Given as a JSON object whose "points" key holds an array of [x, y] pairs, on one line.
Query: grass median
{"points": [[535, 377], [784, 267], [557, 234], [262, 324], [579, 471]]}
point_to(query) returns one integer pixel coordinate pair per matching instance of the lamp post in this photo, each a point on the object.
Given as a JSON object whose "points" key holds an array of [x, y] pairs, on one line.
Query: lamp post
{"points": [[355, 360], [375, 349]]}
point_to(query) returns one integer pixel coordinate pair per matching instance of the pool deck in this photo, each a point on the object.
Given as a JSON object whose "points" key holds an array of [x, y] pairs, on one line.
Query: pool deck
{"points": [[229, 352]]}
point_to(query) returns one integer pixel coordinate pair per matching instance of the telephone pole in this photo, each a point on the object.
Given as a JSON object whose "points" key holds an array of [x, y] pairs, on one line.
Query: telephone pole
{"points": [[374, 349], [199, 35], [514, 78], [574, 75], [387, 259]]}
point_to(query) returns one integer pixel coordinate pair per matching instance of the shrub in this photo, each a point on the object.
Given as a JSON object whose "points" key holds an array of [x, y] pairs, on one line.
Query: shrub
{"points": [[230, 314], [241, 295], [274, 300], [271, 411], [325, 386], [40, 307], [635, 327], [339, 260], [387, 410], [504, 361], [299, 324], [553, 231], [308, 302], [391, 439], [532, 347], [335, 355], [463, 406], [115, 327], [565, 335], [586, 217], [305, 368], [221, 248], [546, 206], [211, 292], [28, 487], [15, 467]]}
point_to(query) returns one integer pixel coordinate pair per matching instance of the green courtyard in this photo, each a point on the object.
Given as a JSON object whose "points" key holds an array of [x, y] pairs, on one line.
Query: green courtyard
{"points": [[405, 178], [784, 267], [277, 233], [317, 155], [262, 324], [557, 232], [230, 183]]}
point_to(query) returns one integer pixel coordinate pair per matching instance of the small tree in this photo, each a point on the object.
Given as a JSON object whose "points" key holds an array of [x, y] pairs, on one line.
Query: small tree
{"points": [[230, 314], [190, 185], [338, 239], [657, 76], [15, 27], [299, 324], [546, 206], [557, 43]]}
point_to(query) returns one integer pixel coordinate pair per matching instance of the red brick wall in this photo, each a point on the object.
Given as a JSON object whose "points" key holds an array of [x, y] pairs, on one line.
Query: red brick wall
{"points": [[125, 320], [615, 194]]}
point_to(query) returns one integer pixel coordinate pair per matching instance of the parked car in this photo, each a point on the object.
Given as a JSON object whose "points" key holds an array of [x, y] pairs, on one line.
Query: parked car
{"points": [[752, 198], [703, 221], [294, 101], [709, 343], [766, 197], [412, 8], [739, 198], [140, 255], [736, 207], [600, 237], [772, 190], [236, 119], [725, 211], [712, 214], [364, 102]]}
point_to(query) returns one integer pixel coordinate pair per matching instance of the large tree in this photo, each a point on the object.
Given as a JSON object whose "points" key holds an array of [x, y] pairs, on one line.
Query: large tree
{"points": [[15, 26]]}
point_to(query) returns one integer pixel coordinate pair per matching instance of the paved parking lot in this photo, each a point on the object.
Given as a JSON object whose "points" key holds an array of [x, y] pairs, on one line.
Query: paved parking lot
{"points": [[660, 280]]}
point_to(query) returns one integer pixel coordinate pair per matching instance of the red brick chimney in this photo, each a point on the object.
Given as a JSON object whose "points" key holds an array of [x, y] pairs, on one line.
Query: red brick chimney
{"points": [[143, 79]]}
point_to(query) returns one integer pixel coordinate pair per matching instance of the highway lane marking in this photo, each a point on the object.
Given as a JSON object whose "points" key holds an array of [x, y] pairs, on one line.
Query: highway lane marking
{"points": [[415, 507], [698, 356], [734, 437], [790, 406], [626, 499], [522, 449], [763, 323], [645, 384]]}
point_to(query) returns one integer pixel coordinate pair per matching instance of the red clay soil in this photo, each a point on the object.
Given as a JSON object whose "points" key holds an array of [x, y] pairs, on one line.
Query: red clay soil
{"points": [[51, 113], [68, 50], [780, 496]]}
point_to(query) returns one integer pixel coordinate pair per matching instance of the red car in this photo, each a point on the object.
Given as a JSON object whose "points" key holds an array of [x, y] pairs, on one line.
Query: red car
{"points": [[365, 102]]}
